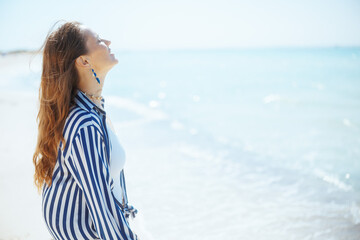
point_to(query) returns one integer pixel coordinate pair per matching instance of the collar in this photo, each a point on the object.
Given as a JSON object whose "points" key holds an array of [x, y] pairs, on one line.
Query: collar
{"points": [[85, 103]]}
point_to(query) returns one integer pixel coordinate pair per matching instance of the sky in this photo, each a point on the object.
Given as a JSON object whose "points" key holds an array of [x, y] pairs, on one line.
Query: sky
{"points": [[187, 24]]}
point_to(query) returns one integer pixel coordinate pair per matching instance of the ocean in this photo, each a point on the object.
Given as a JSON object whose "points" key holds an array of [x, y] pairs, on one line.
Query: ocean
{"points": [[273, 135], [238, 143]]}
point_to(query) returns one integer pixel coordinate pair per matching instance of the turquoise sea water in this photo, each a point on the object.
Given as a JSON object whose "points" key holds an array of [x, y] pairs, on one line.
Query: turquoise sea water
{"points": [[300, 107], [251, 144], [287, 119]]}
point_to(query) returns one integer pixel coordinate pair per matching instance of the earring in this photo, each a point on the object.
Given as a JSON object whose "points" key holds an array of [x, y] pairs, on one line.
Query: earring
{"points": [[97, 79]]}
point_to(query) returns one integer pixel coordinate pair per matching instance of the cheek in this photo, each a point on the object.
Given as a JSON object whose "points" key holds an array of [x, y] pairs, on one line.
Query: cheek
{"points": [[101, 57]]}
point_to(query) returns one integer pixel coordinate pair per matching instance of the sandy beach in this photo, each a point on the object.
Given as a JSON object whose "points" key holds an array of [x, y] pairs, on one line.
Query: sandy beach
{"points": [[20, 205]]}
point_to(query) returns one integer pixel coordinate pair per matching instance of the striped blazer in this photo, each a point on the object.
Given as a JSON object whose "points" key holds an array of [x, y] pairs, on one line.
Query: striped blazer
{"points": [[80, 203]]}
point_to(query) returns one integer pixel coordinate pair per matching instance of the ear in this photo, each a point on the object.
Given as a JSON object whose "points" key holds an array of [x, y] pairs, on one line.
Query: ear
{"points": [[82, 61]]}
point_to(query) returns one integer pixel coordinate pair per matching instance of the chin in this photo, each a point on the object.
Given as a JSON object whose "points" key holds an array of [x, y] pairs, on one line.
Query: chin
{"points": [[114, 59], [113, 63]]}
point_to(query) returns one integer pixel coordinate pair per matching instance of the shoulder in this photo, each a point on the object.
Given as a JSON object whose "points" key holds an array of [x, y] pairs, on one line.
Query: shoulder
{"points": [[79, 118]]}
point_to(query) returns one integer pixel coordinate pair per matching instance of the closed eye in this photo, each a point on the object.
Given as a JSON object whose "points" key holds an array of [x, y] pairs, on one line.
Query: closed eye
{"points": [[98, 38]]}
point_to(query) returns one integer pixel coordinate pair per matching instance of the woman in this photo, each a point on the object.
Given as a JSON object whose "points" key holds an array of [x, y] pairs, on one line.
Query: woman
{"points": [[78, 159]]}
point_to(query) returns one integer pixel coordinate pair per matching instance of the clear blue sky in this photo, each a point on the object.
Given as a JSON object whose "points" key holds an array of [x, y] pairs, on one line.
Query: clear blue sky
{"points": [[159, 24]]}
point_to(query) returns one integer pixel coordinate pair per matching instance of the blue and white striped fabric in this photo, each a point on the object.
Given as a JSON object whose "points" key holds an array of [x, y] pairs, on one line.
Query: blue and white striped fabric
{"points": [[80, 203]]}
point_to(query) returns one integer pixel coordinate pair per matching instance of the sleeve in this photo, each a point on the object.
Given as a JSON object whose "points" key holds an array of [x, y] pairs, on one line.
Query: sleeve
{"points": [[92, 174]]}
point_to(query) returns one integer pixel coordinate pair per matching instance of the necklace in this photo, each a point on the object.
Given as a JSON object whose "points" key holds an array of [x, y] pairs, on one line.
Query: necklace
{"points": [[93, 96]]}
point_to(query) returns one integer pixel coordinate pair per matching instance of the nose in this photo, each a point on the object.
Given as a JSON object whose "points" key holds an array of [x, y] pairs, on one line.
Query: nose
{"points": [[108, 42]]}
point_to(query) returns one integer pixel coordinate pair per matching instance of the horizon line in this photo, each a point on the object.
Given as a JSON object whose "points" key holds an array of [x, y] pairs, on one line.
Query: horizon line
{"points": [[27, 50]]}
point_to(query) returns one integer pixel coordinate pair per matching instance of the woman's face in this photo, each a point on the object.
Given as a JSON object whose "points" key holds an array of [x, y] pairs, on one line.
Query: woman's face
{"points": [[99, 53]]}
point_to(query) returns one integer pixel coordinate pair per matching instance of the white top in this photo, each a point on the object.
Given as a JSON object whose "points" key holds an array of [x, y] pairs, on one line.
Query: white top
{"points": [[117, 160]]}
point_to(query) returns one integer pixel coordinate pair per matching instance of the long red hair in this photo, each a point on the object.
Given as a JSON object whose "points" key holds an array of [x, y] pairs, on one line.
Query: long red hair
{"points": [[59, 80]]}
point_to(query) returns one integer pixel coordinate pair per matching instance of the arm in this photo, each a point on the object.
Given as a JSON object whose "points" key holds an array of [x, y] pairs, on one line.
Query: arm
{"points": [[91, 172]]}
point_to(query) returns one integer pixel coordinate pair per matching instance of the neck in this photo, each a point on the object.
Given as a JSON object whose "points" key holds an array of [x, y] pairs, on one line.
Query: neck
{"points": [[89, 85]]}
